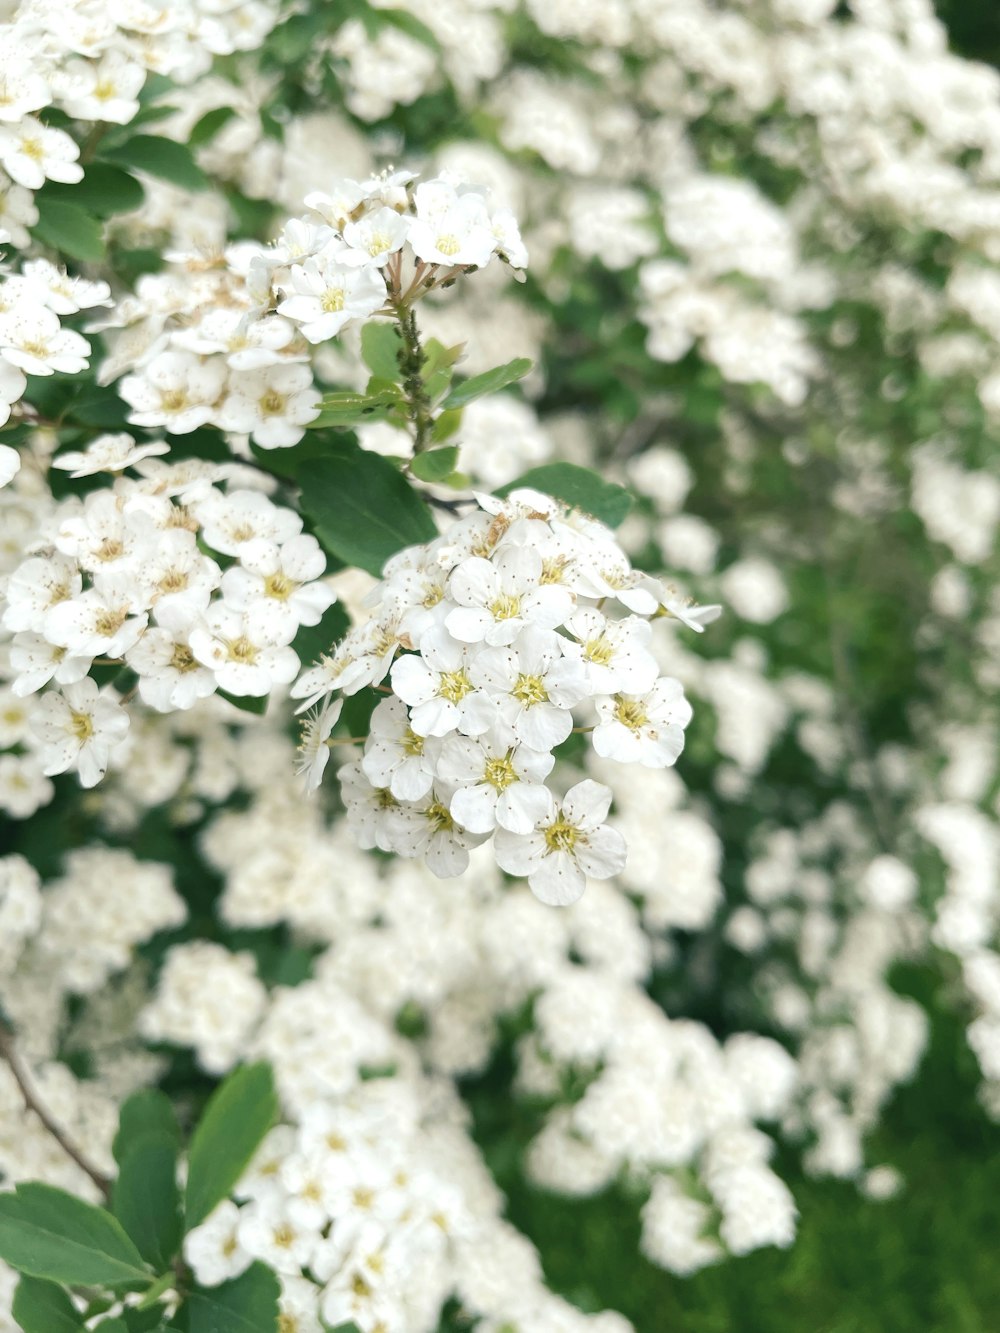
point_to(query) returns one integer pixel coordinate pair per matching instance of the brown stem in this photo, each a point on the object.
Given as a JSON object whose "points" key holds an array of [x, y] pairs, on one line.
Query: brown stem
{"points": [[8, 1052]]}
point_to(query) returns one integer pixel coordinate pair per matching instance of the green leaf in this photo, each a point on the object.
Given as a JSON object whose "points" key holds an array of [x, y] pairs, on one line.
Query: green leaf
{"points": [[363, 509], [238, 1115], [579, 487], [489, 382], [247, 1304], [146, 1199], [435, 464], [48, 1233], [343, 410], [161, 157], [42, 1307], [205, 129], [411, 25], [146, 1113], [446, 425], [104, 190], [101, 407], [380, 344], [69, 229], [255, 704], [111, 1326]]}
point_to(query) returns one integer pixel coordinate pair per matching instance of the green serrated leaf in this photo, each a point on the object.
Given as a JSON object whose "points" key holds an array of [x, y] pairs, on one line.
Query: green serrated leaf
{"points": [[43, 1307], [70, 229], [579, 487], [238, 1115], [166, 158], [247, 1304], [343, 410], [104, 190], [363, 509], [146, 1113], [489, 382], [380, 344], [434, 464], [50, 1234], [207, 127]]}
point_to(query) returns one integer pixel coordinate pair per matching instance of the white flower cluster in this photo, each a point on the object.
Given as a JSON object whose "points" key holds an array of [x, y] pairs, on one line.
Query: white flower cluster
{"points": [[239, 356], [90, 59], [121, 576], [503, 626]]}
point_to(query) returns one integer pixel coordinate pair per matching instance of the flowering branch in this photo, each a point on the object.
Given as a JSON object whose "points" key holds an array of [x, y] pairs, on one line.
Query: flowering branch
{"points": [[411, 362], [8, 1052]]}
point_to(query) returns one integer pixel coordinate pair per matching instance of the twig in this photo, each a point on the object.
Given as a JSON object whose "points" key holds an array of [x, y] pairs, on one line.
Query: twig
{"points": [[8, 1052]]}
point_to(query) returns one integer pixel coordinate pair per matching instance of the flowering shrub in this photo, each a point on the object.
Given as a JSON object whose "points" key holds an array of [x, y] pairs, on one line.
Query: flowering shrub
{"points": [[374, 381]]}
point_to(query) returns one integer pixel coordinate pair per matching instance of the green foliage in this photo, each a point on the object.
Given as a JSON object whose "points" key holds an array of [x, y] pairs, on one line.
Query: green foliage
{"points": [[247, 1304], [380, 348], [237, 1117], [50, 1234], [435, 464], [104, 191], [161, 157], [207, 126], [363, 509], [146, 1199], [579, 487], [343, 410], [43, 1307], [489, 382], [68, 228]]}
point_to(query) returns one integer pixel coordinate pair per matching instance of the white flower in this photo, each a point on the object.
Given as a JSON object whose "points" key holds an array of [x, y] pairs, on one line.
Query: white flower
{"points": [[535, 686], [427, 829], [10, 464], [105, 91], [32, 153], [616, 653], [33, 340], [177, 580], [266, 1231], [247, 650], [284, 577], [35, 660], [60, 292], [569, 842], [272, 403], [369, 809], [450, 228], [395, 756], [24, 90], [230, 522], [24, 788], [176, 389], [213, 1248], [108, 453], [169, 676], [643, 729], [375, 237], [79, 727], [314, 746], [326, 295], [437, 686], [501, 782], [12, 387], [247, 343], [497, 598], [99, 622]]}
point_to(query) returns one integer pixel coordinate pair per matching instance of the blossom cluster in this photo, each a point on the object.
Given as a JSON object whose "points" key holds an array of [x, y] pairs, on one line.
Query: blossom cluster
{"points": [[502, 626], [122, 576], [240, 361]]}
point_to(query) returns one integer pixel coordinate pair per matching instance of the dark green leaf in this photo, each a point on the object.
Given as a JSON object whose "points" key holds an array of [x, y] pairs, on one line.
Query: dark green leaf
{"points": [[146, 1200], [237, 1117], [247, 1304], [435, 464], [166, 158], [146, 1113], [101, 408], [111, 1326], [205, 129], [489, 382], [69, 229], [363, 509], [579, 487], [350, 409], [42, 1307], [144, 1321], [256, 704], [104, 190], [48, 1233], [380, 344]]}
